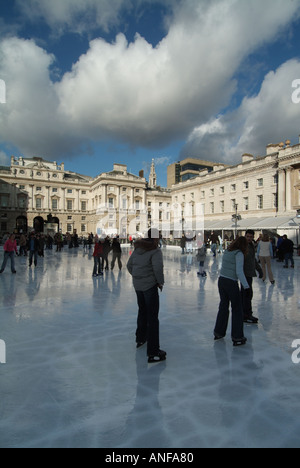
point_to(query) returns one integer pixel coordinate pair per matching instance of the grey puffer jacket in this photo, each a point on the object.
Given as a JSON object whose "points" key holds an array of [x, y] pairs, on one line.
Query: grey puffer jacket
{"points": [[146, 265]]}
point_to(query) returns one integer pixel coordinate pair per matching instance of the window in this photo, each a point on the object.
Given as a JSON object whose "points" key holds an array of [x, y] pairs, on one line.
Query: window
{"points": [[69, 205], [137, 204], [38, 203], [38, 189], [222, 206], [260, 202], [275, 200], [54, 204], [83, 206], [4, 201], [54, 190], [69, 227], [222, 190], [233, 204], [110, 203], [246, 204], [260, 182], [246, 185], [212, 192], [22, 202], [212, 208], [124, 203], [83, 228], [69, 191], [233, 187]]}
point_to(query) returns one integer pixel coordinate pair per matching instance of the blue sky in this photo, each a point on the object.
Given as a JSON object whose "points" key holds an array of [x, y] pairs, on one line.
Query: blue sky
{"points": [[95, 82]]}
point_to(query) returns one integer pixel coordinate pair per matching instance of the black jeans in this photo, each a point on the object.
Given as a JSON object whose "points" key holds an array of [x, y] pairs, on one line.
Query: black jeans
{"points": [[230, 293], [247, 296], [148, 323]]}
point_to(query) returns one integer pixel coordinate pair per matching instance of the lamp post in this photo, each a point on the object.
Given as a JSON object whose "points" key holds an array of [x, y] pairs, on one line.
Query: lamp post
{"points": [[236, 218]]}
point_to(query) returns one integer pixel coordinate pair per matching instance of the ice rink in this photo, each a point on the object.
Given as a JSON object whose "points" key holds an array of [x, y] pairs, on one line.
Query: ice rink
{"points": [[73, 376]]}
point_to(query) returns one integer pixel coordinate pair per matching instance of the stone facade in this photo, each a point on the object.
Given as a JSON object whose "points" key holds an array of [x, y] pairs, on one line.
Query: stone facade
{"points": [[42, 195]]}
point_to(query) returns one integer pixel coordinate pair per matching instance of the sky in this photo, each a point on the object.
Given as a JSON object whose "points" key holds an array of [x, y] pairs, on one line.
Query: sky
{"points": [[96, 82]]}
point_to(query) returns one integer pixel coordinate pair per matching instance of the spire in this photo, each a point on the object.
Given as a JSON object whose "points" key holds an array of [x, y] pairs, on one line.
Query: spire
{"points": [[153, 177]]}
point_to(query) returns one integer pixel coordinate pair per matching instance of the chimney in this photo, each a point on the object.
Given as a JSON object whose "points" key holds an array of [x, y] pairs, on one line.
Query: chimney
{"points": [[247, 157], [141, 174]]}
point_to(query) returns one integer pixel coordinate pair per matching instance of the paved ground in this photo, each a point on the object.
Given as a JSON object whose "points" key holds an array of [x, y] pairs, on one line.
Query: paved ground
{"points": [[73, 377]]}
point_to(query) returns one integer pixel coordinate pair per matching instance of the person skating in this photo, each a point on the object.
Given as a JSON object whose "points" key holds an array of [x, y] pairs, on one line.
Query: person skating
{"points": [[251, 266], [201, 256], [117, 253], [98, 251], [147, 269], [10, 250], [265, 254], [33, 247], [287, 251], [232, 271]]}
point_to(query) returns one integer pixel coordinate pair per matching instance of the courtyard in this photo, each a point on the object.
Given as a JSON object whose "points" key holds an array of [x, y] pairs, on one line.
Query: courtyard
{"points": [[73, 376]]}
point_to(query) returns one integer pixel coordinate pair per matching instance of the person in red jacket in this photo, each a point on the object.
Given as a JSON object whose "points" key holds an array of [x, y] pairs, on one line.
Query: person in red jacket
{"points": [[10, 249], [98, 252]]}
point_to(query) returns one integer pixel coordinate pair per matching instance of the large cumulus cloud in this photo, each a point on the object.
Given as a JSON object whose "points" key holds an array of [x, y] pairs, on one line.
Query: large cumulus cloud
{"points": [[133, 92], [269, 117]]}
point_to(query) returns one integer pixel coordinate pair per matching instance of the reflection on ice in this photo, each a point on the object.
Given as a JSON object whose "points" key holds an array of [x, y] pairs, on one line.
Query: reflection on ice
{"points": [[74, 378]]}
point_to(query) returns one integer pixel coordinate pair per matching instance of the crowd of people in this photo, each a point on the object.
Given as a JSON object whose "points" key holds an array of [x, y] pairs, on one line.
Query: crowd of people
{"points": [[242, 260]]}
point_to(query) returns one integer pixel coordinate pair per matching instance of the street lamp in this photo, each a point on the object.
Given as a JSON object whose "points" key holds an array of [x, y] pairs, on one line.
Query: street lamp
{"points": [[235, 219]]}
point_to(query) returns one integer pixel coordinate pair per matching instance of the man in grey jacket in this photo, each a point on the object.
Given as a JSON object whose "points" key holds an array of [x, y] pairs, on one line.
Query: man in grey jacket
{"points": [[147, 269]]}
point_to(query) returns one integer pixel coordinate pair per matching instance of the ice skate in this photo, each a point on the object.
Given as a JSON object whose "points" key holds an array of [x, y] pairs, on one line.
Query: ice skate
{"points": [[140, 344], [160, 356], [239, 341], [251, 320]]}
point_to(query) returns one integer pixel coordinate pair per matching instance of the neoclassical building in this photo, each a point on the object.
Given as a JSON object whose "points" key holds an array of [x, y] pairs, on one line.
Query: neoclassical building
{"points": [[263, 193]]}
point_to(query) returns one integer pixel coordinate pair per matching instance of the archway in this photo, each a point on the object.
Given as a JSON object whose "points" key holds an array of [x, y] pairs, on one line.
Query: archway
{"points": [[38, 224]]}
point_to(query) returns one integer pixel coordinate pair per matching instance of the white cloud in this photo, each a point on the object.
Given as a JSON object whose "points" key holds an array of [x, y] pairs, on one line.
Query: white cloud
{"points": [[133, 93], [29, 120], [269, 117], [75, 15]]}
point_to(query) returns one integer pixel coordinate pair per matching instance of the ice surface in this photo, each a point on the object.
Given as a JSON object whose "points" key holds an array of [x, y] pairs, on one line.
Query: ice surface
{"points": [[74, 378]]}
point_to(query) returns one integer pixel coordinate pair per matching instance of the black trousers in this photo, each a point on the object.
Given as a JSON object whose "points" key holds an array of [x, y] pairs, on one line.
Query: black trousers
{"points": [[148, 323], [247, 296], [230, 293]]}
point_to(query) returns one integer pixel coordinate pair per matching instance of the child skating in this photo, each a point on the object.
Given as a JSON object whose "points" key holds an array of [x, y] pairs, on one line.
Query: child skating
{"points": [[201, 256]]}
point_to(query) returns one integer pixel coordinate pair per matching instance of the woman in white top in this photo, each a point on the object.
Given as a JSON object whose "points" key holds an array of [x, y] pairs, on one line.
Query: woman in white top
{"points": [[265, 253]]}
